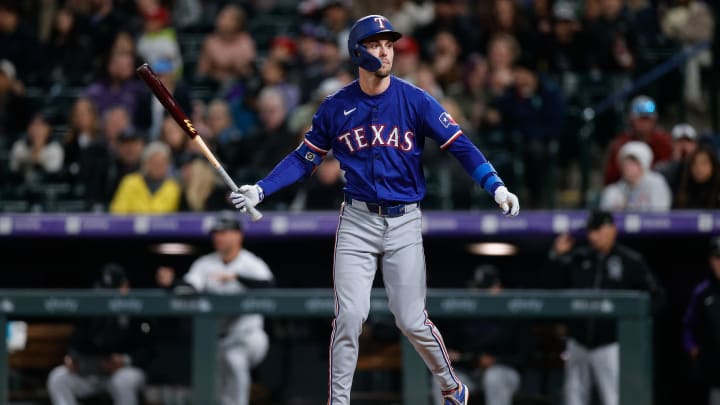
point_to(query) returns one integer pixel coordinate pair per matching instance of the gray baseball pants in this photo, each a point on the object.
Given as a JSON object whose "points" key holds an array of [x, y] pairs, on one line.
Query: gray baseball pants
{"points": [[602, 363], [66, 387], [362, 239]]}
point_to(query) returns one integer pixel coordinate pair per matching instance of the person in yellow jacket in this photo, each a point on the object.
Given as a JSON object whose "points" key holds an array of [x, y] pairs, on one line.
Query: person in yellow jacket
{"points": [[152, 190]]}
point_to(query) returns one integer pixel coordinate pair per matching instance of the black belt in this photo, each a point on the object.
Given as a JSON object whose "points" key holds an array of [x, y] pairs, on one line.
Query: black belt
{"points": [[391, 210]]}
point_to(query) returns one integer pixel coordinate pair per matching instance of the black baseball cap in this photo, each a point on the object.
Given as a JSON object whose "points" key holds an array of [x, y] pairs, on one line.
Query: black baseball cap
{"points": [[598, 218], [715, 246], [112, 276], [226, 221], [485, 276]]}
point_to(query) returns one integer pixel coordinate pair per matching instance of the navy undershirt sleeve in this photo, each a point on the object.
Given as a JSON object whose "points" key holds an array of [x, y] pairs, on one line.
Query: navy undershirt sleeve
{"points": [[289, 171]]}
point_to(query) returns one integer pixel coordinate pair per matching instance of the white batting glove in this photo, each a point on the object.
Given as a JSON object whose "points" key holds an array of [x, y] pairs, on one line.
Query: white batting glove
{"points": [[507, 201], [248, 195]]}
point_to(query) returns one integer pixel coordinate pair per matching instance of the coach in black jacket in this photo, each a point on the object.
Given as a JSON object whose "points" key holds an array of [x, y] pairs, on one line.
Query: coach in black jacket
{"points": [[701, 326], [604, 264]]}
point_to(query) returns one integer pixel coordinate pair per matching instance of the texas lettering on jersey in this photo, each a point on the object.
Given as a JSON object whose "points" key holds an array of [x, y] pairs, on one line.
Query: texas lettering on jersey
{"points": [[377, 135]]}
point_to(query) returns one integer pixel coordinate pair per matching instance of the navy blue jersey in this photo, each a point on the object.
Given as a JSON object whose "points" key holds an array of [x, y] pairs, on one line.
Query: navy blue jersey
{"points": [[379, 141]]}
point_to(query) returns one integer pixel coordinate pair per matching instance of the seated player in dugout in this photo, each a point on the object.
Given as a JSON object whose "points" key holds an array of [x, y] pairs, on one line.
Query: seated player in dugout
{"points": [[107, 355]]}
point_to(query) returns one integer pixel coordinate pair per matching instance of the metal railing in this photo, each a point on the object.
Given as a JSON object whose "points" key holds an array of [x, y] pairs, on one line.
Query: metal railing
{"points": [[631, 309]]}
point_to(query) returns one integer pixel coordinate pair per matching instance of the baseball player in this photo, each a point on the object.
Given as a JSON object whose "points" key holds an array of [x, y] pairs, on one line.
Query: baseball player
{"points": [[377, 127], [232, 269]]}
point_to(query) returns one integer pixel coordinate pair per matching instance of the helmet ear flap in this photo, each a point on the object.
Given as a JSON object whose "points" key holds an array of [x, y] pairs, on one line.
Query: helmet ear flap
{"points": [[365, 60]]}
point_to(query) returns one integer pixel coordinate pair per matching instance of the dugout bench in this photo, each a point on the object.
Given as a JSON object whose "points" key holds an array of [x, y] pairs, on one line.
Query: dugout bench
{"points": [[631, 309]]}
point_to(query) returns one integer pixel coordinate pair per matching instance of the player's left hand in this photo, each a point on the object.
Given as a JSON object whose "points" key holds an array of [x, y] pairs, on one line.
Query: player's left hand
{"points": [[507, 201], [247, 196]]}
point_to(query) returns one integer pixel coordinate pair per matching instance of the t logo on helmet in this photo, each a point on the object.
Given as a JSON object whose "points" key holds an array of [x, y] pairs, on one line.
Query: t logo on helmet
{"points": [[380, 21]]}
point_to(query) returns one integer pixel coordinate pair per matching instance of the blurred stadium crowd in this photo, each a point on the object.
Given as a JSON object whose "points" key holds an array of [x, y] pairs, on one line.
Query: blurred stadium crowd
{"points": [[519, 76]]}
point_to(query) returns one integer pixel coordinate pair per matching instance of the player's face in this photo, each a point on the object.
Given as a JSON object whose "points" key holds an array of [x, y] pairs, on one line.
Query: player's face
{"points": [[603, 238], [382, 47], [226, 242], [715, 265]]}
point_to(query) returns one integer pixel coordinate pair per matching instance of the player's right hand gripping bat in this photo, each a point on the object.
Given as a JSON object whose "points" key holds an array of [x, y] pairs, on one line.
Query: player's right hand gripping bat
{"points": [[168, 101]]}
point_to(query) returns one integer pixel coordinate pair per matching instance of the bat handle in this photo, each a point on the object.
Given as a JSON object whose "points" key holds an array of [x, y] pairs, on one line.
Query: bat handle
{"points": [[254, 213]]}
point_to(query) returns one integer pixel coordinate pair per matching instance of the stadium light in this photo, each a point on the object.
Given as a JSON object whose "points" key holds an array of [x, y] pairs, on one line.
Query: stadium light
{"points": [[492, 249]]}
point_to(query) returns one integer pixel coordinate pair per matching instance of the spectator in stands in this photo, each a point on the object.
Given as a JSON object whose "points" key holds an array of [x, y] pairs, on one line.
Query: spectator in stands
{"points": [[425, 79], [451, 16], [324, 190], [271, 141], [533, 110], [15, 108], [612, 38], [198, 115], [274, 74], [228, 53], [37, 157], [83, 130], [407, 58], [223, 136], [643, 127], [336, 17], [474, 94], [446, 61], [222, 129], [202, 190], [640, 188], [151, 113], [119, 85], [124, 42], [283, 48], [309, 45], [492, 353], [540, 18], [158, 41], [176, 139], [502, 51], [116, 121], [67, 50], [104, 22], [701, 327], [691, 22], [699, 185], [152, 190], [331, 56], [231, 270], [301, 117], [644, 16], [106, 355], [684, 143], [505, 17], [563, 50], [20, 44], [592, 344], [126, 159]]}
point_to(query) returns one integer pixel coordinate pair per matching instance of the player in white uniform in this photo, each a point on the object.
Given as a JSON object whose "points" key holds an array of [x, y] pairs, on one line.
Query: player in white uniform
{"points": [[231, 269]]}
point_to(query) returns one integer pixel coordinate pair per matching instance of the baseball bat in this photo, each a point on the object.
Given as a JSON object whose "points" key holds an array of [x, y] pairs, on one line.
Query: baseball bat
{"points": [[168, 101]]}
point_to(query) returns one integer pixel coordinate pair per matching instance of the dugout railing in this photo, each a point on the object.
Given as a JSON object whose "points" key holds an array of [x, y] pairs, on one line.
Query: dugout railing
{"points": [[631, 309]]}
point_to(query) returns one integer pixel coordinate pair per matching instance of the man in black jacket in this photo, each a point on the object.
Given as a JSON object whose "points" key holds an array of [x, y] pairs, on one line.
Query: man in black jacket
{"points": [[604, 264], [701, 326], [105, 354]]}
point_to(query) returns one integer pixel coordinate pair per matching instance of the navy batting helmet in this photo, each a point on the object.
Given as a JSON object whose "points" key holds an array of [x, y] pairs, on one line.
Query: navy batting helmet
{"points": [[363, 29]]}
